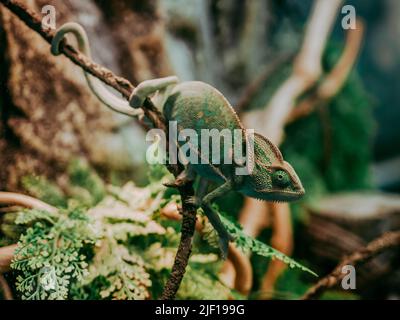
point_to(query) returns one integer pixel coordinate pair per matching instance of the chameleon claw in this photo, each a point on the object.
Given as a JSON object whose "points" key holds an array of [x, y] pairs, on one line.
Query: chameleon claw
{"points": [[178, 182], [195, 201], [170, 184], [224, 245], [182, 179]]}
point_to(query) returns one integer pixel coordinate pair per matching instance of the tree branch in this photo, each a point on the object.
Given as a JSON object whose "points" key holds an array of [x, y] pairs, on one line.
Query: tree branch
{"points": [[5, 288], [333, 82], [255, 86], [6, 255], [271, 120], [242, 279], [386, 241], [282, 240], [25, 201], [185, 245], [34, 22]]}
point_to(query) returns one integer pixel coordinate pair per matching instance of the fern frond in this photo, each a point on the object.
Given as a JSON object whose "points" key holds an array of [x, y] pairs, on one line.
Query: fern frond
{"points": [[48, 257], [248, 243], [127, 278]]}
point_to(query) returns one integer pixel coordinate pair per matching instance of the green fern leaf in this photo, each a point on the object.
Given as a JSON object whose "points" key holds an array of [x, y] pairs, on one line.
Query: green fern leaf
{"points": [[248, 243]]}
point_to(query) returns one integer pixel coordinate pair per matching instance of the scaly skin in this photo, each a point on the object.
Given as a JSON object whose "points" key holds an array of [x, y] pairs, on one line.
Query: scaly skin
{"points": [[197, 105]]}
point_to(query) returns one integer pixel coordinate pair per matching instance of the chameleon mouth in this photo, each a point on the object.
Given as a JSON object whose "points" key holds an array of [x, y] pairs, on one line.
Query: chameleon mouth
{"points": [[280, 195]]}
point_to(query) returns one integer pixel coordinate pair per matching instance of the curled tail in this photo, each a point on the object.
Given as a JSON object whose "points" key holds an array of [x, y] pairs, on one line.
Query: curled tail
{"points": [[112, 101], [149, 87]]}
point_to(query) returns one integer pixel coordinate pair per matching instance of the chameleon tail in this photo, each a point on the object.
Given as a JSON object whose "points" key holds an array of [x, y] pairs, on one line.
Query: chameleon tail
{"points": [[110, 100], [148, 87], [224, 237]]}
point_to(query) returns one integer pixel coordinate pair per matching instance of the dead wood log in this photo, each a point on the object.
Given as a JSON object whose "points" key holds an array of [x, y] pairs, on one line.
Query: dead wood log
{"points": [[341, 224]]}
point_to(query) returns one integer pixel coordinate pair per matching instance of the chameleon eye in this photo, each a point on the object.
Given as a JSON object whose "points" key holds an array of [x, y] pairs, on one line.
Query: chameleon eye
{"points": [[281, 178]]}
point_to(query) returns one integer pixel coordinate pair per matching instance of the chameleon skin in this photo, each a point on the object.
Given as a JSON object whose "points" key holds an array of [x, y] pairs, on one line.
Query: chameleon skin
{"points": [[207, 111], [197, 105]]}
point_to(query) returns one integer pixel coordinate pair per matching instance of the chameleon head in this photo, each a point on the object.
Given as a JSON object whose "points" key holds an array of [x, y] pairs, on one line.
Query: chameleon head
{"points": [[272, 178]]}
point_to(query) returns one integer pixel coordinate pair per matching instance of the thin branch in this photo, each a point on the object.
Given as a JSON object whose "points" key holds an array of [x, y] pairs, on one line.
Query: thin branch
{"points": [[254, 87], [185, 245], [10, 209], [386, 241], [243, 274], [34, 22], [171, 212], [7, 198], [334, 81], [5, 288], [25, 201], [243, 268], [271, 120], [282, 240], [6, 256]]}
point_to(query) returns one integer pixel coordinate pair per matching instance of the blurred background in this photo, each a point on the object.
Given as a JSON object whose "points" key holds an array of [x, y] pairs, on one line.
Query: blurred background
{"points": [[328, 96]]}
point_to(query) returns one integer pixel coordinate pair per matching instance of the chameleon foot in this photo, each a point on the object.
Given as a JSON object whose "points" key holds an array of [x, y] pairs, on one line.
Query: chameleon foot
{"points": [[178, 182], [182, 179], [224, 245], [195, 201], [224, 236]]}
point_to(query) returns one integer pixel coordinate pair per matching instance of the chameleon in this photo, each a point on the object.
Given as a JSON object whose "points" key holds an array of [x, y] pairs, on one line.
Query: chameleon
{"points": [[198, 106]]}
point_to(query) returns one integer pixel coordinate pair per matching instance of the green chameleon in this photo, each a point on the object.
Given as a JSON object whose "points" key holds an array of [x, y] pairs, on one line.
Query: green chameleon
{"points": [[198, 106]]}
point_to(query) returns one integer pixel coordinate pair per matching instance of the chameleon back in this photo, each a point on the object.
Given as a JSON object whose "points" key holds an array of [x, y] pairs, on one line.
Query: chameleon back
{"points": [[197, 105]]}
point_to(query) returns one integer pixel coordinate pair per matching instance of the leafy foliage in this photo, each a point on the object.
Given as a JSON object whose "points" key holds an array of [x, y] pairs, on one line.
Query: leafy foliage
{"points": [[128, 255], [245, 242], [248, 243], [204, 286], [43, 189], [120, 248], [49, 255], [124, 273], [122, 268], [83, 184]]}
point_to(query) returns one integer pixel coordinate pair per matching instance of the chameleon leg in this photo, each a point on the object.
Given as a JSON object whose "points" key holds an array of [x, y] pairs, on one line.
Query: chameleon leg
{"points": [[148, 87], [184, 177], [201, 190], [212, 215]]}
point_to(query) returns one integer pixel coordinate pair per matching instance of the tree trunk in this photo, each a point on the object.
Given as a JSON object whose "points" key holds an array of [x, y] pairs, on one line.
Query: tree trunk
{"points": [[48, 114]]}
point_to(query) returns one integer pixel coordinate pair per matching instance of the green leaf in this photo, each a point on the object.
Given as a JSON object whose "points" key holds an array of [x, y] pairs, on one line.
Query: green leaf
{"points": [[247, 243], [48, 260]]}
